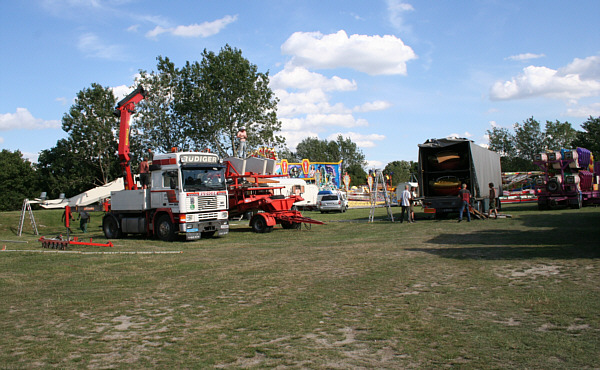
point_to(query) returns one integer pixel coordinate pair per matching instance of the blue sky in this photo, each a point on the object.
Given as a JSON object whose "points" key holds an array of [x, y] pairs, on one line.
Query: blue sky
{"points": [[388, 74]]}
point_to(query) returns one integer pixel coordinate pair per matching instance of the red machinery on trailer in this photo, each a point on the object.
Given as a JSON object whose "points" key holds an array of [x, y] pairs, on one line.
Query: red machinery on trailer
{"points": [[247, 195]]}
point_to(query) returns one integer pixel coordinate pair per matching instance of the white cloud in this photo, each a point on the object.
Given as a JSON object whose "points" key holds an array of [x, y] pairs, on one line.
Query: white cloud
{"points": [[374, 55], [372, 106], [293, 138], [579, 79], [301, 78], [92, 46], [320, 122], [584, 111], [525, 56], [465, 135], [586, 69], [363, 141], [23, 119], [396, 11], [204, 29], [33, 157], [375, 165], [313, 101], [121, 91]]}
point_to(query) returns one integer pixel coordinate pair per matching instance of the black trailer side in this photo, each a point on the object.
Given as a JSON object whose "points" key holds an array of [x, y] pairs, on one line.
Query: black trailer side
{"points": [[445, 164]]}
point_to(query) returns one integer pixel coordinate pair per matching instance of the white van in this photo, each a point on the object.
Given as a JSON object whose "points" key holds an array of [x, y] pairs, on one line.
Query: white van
{"points": [[332, 200]]}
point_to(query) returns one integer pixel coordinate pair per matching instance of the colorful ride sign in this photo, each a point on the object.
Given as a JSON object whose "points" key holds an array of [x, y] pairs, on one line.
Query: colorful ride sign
{"points": [[320, 172]]}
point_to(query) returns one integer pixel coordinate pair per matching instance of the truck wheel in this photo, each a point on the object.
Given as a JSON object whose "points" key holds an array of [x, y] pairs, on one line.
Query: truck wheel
{"points": [[111, 228], [259, 224], [165, 230]]}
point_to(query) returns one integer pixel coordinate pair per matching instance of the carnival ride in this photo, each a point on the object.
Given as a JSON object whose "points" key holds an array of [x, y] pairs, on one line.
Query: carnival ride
{"points": [[570, 177]]}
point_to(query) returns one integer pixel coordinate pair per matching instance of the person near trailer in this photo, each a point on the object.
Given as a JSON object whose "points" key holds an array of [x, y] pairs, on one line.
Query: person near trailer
{"points": [[84, 218], [405, 202], [413, 195], [67, 217], [493, 200], [465, 197], [242, 136]]}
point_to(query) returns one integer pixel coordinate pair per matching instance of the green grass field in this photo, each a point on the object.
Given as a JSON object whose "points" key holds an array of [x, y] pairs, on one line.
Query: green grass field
{"points": [[520, 292]]}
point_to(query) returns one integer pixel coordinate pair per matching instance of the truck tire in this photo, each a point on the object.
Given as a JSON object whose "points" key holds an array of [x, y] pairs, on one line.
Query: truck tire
{"points": [[259, 224], [111, 228], [164, 228]]}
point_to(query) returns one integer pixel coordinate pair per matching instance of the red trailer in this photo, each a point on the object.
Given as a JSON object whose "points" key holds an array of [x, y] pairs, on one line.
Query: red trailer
{"points": [[248, 194]]}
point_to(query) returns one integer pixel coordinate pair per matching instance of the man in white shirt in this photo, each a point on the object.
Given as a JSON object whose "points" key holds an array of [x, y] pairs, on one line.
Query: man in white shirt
{"points": [[242, 135], [406, 199]]}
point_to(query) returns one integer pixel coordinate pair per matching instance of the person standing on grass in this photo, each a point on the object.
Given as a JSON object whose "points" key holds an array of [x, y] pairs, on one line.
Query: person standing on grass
{"points": [[493, 201], [406, 199], [84, 219], [413, 192], [465, 197]]}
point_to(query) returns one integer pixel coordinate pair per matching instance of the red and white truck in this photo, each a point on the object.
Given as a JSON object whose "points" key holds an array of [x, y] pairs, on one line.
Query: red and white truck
{"points": [[187, 193]]}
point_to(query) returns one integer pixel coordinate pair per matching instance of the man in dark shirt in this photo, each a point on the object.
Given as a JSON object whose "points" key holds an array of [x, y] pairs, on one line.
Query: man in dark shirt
{"points": [[144, 173], [465, 196]]}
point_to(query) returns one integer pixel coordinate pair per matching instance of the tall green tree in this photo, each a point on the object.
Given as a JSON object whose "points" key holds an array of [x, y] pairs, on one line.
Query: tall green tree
{"points": [[349, 152], [400, 171], [62, 169], [353, 159], [502, 141], [358, 175], [316, 150], [589, 138], [224, 92], [529, 139], [17, 180], [159, 123], [92, 128], [559, 135]]}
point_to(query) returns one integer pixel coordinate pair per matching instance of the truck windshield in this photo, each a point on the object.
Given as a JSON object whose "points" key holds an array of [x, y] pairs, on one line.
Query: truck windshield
{"points": [[203, 178]]}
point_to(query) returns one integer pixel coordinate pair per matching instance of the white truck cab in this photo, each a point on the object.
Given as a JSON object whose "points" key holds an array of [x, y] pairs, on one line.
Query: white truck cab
{"points": [[187, 195]]}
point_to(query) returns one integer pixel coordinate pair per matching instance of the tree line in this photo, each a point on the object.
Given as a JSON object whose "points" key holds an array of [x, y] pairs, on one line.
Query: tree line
{"points": [[199, 106], [518, 147]]}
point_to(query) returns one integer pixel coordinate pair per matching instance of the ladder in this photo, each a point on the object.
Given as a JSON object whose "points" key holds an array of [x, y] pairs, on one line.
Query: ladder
{"points": [[27, 208], [379, 180]]}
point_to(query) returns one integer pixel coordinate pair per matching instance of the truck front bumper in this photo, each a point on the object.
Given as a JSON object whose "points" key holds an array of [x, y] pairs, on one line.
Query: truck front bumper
{"points": [[194, 230]]}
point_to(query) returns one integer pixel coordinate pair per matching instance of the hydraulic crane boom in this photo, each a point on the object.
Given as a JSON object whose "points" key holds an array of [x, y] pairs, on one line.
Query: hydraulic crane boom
{"points": [[124, 110]]}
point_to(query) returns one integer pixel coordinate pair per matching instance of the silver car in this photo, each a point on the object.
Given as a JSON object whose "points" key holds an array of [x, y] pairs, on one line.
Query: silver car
{"points": [[332, 201]]}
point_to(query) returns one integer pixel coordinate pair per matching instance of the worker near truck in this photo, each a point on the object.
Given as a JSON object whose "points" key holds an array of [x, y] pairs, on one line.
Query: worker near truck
{"points": [[242, 136], [144, 173], [465, 197], [84, 218], [406, 199], [493, 201]]}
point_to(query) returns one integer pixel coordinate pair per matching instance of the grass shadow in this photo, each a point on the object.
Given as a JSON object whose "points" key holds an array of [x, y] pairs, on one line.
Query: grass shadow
{"points": [[565, 235]]}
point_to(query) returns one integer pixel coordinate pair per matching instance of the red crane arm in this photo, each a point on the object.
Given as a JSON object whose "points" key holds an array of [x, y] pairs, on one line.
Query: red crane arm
{"points": [[124, 110]]}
